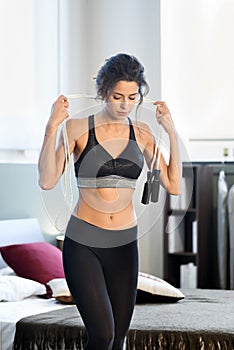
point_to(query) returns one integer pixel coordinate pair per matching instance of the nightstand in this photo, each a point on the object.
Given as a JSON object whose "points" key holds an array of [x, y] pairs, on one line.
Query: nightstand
{"points": [[60, 239]]}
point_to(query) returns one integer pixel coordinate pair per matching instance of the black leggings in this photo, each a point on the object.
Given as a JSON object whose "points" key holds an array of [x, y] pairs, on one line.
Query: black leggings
{"points": [[103, 283]]}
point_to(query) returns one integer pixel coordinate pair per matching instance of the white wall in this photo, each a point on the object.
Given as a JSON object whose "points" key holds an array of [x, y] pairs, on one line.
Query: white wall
{"points": [[20, 196], [73, 46], [92, 31], [125, 26]]}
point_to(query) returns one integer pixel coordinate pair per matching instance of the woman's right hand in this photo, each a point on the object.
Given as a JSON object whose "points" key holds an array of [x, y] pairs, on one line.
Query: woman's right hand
{"points": [[59, 112]]}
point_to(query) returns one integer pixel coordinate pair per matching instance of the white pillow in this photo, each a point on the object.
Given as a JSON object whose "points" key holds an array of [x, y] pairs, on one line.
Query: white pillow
{"points": [[6, 271], [59, 287], [155, 289], [13, 288]]}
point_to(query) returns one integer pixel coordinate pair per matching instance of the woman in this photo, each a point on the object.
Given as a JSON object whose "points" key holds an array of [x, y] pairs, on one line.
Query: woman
{"points": [[100, 248]]}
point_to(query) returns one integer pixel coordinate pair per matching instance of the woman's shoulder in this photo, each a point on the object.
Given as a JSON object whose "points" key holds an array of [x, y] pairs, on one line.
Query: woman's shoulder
{"points": [[142, 131], [77, 121], [77, 126]]}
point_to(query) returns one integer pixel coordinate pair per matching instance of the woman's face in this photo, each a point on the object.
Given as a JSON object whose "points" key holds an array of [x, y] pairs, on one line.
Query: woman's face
{"points": [[122, 99]]}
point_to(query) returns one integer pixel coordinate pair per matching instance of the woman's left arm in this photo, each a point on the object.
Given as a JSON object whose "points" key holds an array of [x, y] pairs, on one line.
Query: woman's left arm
{"points": [[170, 174]]}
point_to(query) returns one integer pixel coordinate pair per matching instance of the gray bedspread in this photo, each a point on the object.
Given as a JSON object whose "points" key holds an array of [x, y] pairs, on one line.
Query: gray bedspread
{"points": [[203, 320]]}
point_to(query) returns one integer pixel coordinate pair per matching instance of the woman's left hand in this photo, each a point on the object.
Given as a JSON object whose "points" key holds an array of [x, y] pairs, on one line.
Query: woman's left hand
{"points": [[163, 116]]}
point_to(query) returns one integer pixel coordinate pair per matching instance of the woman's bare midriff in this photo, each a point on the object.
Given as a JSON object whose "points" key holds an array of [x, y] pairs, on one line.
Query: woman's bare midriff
{"points": [[109, 208]]}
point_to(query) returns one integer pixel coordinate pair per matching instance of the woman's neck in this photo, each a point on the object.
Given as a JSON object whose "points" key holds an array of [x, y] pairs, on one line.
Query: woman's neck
{"points": [[114, 127]]}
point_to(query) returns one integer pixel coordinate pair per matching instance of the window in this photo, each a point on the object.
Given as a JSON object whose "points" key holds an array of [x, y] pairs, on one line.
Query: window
{"points": [[28, 70], [197, 65]]}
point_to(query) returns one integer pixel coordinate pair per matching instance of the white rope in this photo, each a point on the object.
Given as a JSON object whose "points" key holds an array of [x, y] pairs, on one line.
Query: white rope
{"points": [[67, 168], [158, 148], [74, 96]]}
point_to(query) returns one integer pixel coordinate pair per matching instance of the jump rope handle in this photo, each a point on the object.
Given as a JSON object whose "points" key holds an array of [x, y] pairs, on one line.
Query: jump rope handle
{"points": [[155, 186], [147, 189], [152, 185]]}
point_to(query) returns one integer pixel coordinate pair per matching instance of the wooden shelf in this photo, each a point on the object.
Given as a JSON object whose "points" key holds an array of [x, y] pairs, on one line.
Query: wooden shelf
{"points": [[180, 212], [181, 254], [201, 211]]}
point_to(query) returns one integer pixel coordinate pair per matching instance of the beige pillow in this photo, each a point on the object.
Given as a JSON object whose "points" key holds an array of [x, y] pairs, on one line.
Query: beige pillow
{"points": [[152, 289], [60, 290]]}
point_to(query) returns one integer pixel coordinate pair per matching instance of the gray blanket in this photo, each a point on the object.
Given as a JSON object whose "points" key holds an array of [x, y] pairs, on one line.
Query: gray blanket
{"points": [[203, 320]]}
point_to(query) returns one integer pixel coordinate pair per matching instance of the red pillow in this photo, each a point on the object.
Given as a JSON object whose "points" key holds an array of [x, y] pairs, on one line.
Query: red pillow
{"points": [[39, 261]]}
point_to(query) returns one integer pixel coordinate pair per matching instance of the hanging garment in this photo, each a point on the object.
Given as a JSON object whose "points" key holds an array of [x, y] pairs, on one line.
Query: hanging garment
{"points": [[230, 204], [222, 230]]}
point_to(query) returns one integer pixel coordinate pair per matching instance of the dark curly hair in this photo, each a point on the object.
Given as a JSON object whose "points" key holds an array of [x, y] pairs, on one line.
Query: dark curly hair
{"points": [[121, 67]]}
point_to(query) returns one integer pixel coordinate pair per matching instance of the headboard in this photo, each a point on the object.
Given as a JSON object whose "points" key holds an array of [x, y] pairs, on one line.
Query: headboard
{"points": [[19, 231]]}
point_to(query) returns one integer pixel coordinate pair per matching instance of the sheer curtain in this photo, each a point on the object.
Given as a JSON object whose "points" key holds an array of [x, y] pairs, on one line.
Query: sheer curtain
{"points": [[198, 72], [28, 69]]}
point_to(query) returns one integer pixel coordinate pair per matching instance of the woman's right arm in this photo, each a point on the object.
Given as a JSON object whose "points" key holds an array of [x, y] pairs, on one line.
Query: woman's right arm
{"points": [[52, 158]]}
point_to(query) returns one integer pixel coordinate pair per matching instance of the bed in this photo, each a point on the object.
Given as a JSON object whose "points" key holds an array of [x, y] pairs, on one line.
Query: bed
{"points": [[164, 318], [23, 301], [204, 319]]}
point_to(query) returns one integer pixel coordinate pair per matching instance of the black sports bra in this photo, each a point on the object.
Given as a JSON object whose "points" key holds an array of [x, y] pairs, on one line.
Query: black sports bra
{"points": [[96, 162]]}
